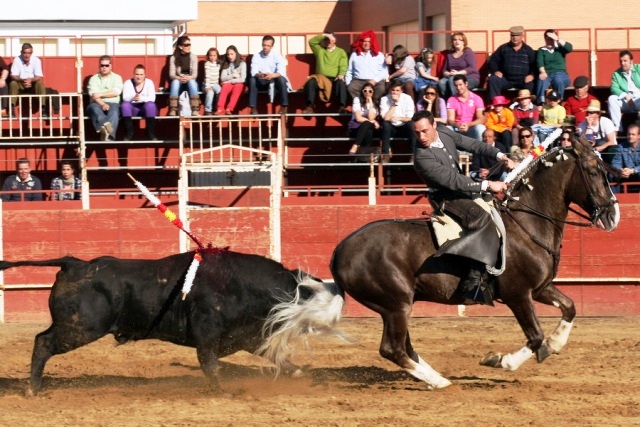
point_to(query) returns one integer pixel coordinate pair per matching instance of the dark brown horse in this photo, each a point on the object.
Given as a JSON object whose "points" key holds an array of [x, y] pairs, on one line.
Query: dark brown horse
{"points": [[388, 265]]}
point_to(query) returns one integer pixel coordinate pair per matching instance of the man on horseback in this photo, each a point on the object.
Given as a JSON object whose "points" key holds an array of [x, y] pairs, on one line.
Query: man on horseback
{"points": [[452, 192]]}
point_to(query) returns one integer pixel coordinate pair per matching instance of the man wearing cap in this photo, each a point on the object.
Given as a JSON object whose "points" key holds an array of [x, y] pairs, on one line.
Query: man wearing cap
{"points": [[465, 110], [500, 119], [625, 89], [600, 131], [577, 104], [512, 65], [627, 157], [552, 65]]}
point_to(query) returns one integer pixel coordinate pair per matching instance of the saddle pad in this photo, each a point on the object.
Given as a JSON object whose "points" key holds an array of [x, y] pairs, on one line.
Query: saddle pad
{"points": [[445, 228]]}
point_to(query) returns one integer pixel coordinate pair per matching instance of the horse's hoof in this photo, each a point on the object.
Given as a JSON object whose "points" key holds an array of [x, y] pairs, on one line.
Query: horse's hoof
{"points": [[543, 352], [442, 383], [492, 360]]}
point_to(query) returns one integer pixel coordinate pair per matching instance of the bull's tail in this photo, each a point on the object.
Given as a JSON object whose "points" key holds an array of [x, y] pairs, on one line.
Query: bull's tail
{"points": [[317, 314], [57, 262]]}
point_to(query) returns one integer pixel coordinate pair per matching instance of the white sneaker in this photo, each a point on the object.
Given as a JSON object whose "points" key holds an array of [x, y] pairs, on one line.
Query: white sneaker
{"points": [[104, 135]]}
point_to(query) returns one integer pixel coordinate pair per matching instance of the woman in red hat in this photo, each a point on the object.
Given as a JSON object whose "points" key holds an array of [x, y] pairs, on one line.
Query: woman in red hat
{"points": [[501, 120]]}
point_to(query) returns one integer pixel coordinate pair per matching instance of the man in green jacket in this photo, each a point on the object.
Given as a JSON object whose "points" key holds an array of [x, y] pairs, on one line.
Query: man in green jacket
{"points": [[331, 67], [625, 89]]}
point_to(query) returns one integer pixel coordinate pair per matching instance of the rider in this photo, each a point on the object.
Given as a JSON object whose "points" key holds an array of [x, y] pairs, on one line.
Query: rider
{"points": [[452, 192]]}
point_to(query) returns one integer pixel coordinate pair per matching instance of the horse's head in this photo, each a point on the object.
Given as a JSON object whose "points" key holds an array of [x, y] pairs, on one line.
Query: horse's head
{"points": [[589, 187]]}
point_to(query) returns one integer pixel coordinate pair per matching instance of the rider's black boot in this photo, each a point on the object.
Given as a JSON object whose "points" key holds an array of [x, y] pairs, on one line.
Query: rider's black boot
{"points": [[476, 288]]}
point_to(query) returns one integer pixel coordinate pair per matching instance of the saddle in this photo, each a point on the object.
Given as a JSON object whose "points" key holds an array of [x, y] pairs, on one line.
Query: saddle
{"points": [[484, 243]]}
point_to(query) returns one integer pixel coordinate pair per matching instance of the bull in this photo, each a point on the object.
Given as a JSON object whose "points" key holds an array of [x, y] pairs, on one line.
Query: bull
{"points": [[238, 302]]}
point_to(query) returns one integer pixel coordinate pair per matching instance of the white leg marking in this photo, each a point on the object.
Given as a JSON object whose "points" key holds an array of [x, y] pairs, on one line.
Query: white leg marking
{"points": [[426, 373], [513, 361], [560, 336]]}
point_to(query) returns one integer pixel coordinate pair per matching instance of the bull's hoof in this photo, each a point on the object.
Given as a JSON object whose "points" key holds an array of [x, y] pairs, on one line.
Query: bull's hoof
{"points": [[492, 360], [30, 392], [543, 352]]}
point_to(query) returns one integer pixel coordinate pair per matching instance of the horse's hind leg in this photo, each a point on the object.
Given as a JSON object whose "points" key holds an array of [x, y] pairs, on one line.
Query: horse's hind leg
{"points": [[396, 347], [559, 337]]}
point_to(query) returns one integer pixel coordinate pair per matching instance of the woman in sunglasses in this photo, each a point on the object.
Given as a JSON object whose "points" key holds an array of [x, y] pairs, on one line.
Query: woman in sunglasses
{"points": [[433, 103], [364, 119], [524, 146], [183, 72]]}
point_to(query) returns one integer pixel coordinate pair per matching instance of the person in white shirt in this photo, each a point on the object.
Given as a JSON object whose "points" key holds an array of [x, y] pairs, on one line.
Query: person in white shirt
{"points": [[139, 99], [625, 89], [268, 66], [366, 64], [26, 74], [396, 109]]}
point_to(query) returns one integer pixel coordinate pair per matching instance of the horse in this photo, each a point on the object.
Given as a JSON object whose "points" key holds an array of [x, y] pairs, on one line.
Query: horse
{"points": [[387, 265]]}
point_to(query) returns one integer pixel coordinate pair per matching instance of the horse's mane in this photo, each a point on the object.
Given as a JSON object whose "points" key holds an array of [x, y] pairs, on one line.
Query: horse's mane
{"points": [[547, 159]]}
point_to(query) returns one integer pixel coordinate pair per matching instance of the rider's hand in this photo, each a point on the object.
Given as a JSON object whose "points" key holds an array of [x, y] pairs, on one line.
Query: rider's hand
{"points": [[497, 186]]}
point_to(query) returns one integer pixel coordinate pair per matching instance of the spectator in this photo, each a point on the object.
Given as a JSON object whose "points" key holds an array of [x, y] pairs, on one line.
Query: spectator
{"points": [[331, 64], [569, 124], [600, 131], [268, 66], [66, 181], [552, 65], [104, 109], [396, 110], [4, 89], [566, 138], [405, 69], [26, 75], [525, 112], [577, 104], [139, 99], [625, 89], [183, 73], [487, 167], [211, 86], [233, 74], [433, 103], [512, 65], [425, 66], [465, 110], [627, 157], [22, 181], [524, 146], [366, 64], [501, 120], [364, 119], [460, 59], [551, 117]]}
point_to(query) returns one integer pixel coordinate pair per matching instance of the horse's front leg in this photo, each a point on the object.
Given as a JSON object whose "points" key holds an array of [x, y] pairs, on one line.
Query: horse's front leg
{"points": [[525, 314], [559, 337]]}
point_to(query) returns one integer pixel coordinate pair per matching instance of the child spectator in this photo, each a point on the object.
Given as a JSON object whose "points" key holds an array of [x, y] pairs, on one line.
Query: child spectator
{"points": [[405, 69], [424, 67], [232, 76], [66, 181], [500, 119], [211, 85], [526, 113], [551, 117]]}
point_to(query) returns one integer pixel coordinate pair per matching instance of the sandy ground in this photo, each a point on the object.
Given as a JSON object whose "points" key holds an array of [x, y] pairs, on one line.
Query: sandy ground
{"points": [[593, 382]]}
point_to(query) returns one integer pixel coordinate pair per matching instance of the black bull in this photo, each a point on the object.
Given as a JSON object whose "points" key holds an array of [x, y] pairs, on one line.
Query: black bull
{"points": [[238, 302]]}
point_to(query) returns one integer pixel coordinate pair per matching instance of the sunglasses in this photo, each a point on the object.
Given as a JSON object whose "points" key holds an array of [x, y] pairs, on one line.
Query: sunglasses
{"points": [[430, 93], [105, 65], [566, 139], [186, 45], [592, 112], [367, 91], [525, 136]]}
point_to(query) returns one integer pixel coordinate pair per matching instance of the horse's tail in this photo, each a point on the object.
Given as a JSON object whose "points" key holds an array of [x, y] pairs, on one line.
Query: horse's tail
{"points": [[315, 309], [57, 262]]}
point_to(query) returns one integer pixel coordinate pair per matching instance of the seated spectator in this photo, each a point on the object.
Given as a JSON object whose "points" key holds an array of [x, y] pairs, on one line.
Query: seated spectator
{"points": [[183, 74], [501, 120], [331, 64], [551, 117], [396, 110], [404, 67], [433, 103], [268, 66], [22, 181], [104, 109], [465, 110], [425, 69], [627, 157], [233, 74], [366, 64], [512, 65], [26, 75], [4, 88], [364, 119], [569, 124], [525, 112], [66, 181], [487, 167], [625, 89], [460, 59], [211, 85], [600, 131], [524, 146], [552, 65], [566, 139], [576, 104], [139, 99]]}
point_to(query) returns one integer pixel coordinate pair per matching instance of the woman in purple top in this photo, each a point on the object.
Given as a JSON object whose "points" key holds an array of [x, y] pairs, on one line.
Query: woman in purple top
{"points": [[434, 104], [460, 59]]}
